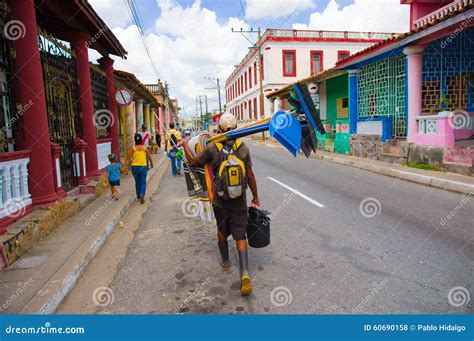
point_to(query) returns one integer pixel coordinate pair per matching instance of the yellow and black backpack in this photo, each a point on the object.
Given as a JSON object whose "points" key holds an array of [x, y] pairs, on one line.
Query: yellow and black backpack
{"points": [[230, 178]]}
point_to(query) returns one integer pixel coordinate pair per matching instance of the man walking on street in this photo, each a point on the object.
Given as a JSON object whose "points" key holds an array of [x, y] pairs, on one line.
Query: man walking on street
{"points": [[232, 169], [172, 138]]}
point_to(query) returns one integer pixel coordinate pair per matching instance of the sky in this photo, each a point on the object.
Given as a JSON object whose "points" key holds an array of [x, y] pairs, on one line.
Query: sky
{"points": [[192, 39]]}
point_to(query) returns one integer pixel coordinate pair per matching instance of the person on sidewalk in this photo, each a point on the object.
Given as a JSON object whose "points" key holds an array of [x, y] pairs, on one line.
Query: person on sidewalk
{"points": [[158, 140], [113, 176], [230, 203], [173, 137], [139, 158], [145, 136], [153, 146]]}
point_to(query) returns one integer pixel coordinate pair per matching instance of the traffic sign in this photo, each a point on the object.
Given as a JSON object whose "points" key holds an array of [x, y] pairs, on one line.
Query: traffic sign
{"points": [[123, 96]]}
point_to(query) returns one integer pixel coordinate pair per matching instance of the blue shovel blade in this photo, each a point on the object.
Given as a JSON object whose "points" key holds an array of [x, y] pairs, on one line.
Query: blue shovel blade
{"points": [[286, 129]]}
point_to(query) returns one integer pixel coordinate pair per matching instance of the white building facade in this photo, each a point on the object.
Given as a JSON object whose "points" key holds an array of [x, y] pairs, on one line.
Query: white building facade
{"points": [[287, 56]]}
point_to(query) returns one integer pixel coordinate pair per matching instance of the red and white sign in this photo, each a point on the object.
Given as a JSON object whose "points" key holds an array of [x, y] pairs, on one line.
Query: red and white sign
{"points": [[123, 96]]}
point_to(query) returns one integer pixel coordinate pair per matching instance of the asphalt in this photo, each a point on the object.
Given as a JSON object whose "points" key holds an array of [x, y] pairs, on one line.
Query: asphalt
{"points": [[350, 241]]}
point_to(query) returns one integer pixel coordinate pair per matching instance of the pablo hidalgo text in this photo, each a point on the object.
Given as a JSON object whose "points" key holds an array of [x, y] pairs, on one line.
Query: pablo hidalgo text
{"points": [[441, 328]]}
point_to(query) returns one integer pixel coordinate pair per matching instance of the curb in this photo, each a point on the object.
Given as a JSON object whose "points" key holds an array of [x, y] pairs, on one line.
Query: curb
{"points": [[432, 181], [51, 295]]}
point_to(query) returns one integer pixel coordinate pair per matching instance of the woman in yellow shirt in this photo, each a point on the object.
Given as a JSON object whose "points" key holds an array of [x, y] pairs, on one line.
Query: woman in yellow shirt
{"points": [[139, 158]]}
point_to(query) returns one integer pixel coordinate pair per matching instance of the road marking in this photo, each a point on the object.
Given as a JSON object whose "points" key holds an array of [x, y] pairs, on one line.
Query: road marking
{"points": [[304, 196]]}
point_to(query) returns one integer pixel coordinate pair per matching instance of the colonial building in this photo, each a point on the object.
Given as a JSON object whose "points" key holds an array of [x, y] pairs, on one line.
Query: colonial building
{"points": [[409, 97], [59, 119], [286, 56]]}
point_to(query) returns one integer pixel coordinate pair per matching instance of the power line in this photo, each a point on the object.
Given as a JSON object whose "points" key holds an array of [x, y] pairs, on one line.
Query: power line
{"points": [[137, 19]]}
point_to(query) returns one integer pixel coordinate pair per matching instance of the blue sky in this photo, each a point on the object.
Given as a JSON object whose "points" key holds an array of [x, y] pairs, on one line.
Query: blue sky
{"points": [[192, 39], [224, 9]]}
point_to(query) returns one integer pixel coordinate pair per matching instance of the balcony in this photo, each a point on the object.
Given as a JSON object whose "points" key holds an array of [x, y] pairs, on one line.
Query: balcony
{"points": [[104, 148], [444, 129], [325, 34], [14, 193], [440, 13]]}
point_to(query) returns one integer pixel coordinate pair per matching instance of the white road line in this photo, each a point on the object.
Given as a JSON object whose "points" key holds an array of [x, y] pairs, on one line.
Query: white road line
{"points": [[304, 196]]}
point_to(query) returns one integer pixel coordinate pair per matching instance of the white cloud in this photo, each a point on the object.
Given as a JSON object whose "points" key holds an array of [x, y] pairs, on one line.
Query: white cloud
{"points": [[363, 15], [188, 45], [258, 9], [114, 15]]}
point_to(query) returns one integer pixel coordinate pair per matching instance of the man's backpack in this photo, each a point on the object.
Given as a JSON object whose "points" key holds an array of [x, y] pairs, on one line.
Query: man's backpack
{"points": [[230, 178]]}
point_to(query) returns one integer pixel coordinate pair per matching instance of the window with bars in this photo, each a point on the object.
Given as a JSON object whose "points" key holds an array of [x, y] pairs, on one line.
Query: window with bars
{"points": [[448, 73], [381, 92]]}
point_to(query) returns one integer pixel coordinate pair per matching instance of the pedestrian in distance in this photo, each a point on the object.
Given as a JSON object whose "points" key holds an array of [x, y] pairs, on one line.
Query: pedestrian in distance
{"points": [[139, 159], [173, 137], [232, 169], [153, 146], [158, 140], [145, 135], [113, 175]]}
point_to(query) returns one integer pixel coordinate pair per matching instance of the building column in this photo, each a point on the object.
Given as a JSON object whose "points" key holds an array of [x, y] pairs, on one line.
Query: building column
{"points": [[107, 65], [79, 44], [414, 71], [272, 105], [29, 76], [353, 101], [161, 122], [152, 121], [130, 125], [139, 113], [147, 116]]}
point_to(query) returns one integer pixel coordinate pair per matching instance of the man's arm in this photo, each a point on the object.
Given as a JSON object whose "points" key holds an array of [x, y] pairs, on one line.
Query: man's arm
{"points": [[252, 181]]}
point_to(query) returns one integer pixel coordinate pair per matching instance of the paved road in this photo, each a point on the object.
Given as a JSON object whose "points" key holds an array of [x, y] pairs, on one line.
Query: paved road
{"points": [[343, 241]]}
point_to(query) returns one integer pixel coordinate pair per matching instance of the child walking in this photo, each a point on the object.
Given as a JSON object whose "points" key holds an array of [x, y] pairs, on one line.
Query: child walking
{"points": [[113, 174]]}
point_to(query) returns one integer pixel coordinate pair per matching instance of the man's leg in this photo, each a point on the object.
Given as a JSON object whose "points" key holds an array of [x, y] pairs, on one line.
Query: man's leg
{"points": [[245, 285], [222, 237]]}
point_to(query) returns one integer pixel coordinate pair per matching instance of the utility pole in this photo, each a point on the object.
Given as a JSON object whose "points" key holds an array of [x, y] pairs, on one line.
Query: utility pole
{"points": [[258, 45], [200, 99], [216, 87]]}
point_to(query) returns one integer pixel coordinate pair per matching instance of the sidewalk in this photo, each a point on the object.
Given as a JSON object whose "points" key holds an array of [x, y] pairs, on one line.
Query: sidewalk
{"points": [[448, 181], [40, 279]]}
